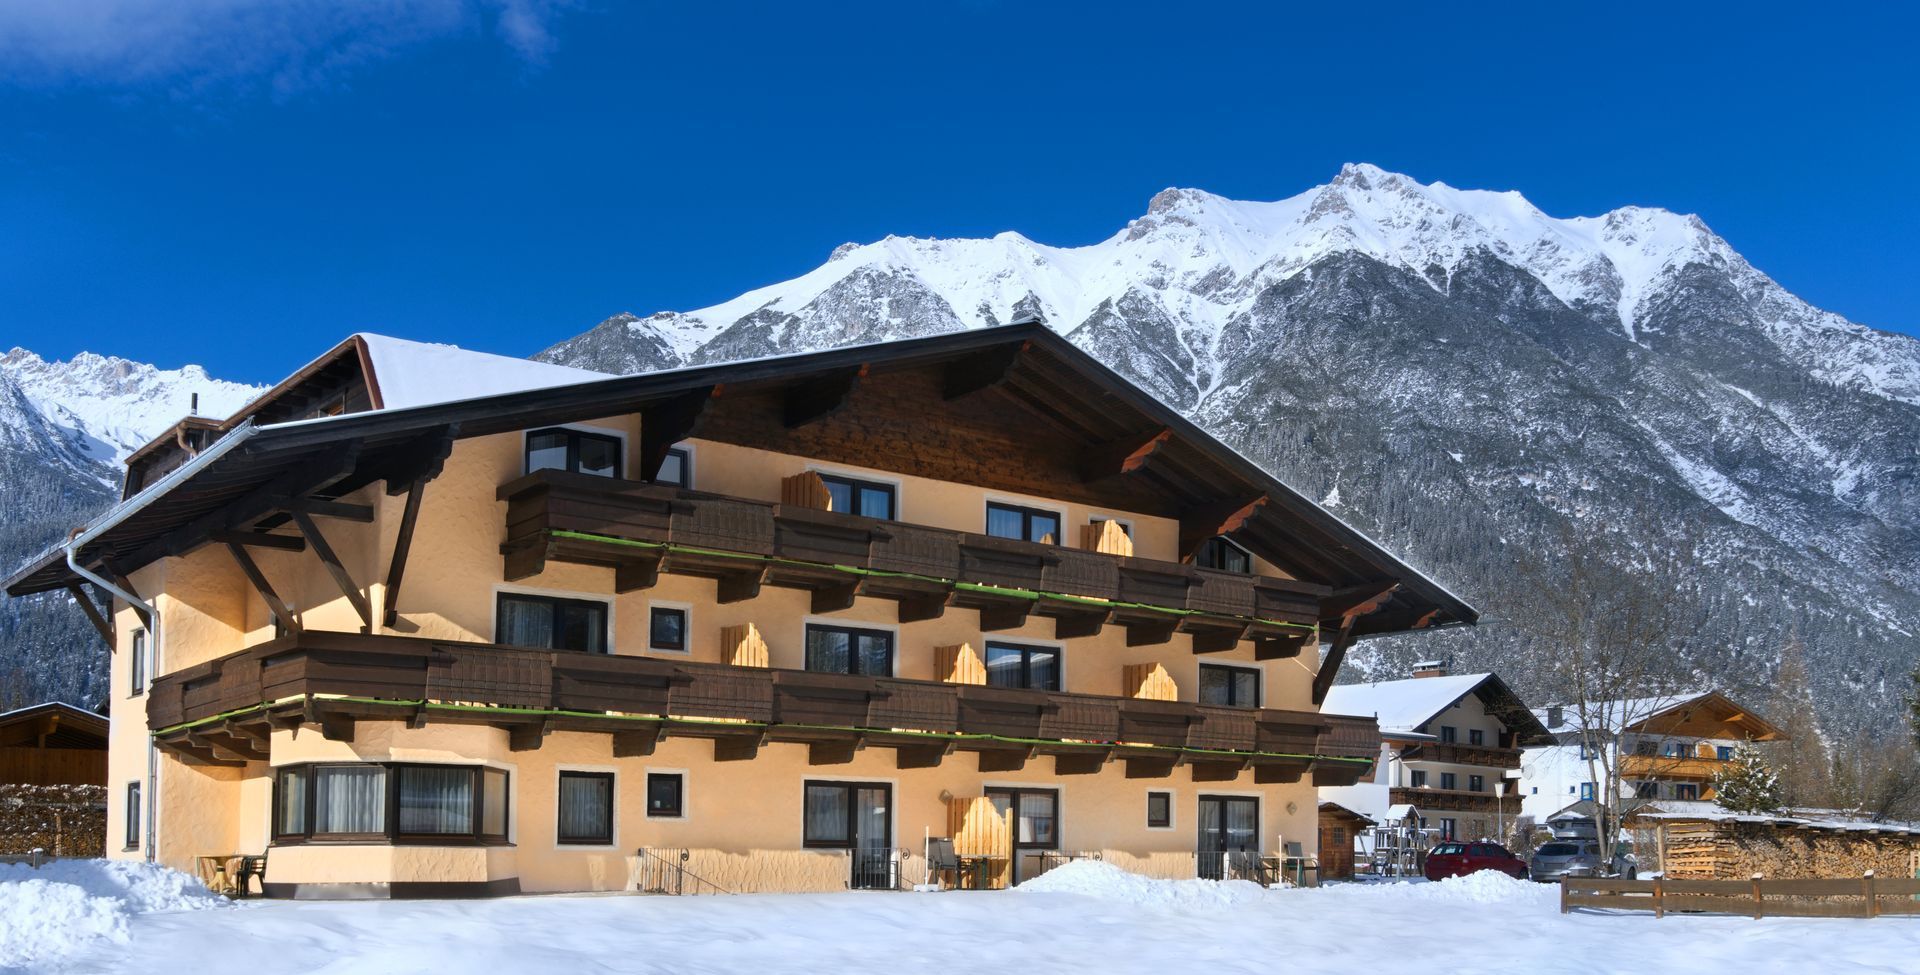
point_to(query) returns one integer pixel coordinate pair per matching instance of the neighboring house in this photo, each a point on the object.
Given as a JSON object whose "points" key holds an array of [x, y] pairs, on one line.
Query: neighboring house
{"points": [[1667, 749], [433, 622], [1450, 743], [53, 744]]}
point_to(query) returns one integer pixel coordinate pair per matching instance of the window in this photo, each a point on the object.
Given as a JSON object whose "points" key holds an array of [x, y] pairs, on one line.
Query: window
{"points": [[586, 809], [848, 815], [1723, 752], [1448, 735], [1645, 749], [667, 629], [848, 650], [1646, 790], [1686, 790], [1448, 827], [676, 469], [666, 795], [868, 499], [1476, 783], [1476, 737], [137, 664], [133, 815], [1013, 665], [375, 801], [1025, 524], [1448, 781], [550, 623], [1221, 553], [1159, 810], [1675, 749], [1589, 752], [1234, 687], [1419, 779], [561, 449], [1586, 791]]}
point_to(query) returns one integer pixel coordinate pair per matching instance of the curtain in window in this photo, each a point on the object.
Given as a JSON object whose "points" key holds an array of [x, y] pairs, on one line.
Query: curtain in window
{"points": [[826, 814], [292, 816], [436, 800], [1243, 824], [1215, 686], [583, 626], [876, 654], [526, 622], [586, 808], [493, 802], [1036, 818], [827, 651], [1003, 666], [872, 819], [347, 799], [1005, 523]]}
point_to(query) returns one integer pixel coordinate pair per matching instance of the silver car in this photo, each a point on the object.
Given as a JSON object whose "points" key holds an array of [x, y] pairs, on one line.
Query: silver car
{"points": [[1579, 858]]}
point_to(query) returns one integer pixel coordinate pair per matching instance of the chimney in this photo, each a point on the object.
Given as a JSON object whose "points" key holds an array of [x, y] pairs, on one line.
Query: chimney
{"points": [[1430, 668], [1556, 716]]}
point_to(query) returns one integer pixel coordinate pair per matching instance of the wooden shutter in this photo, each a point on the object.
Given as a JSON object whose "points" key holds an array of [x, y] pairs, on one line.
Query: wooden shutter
{"points": [[743, 646], [959, 664], [805, 490], [1149, 682], [1107, 537]]}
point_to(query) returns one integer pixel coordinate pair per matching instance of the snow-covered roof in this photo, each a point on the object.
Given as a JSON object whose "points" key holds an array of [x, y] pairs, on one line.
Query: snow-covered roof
{"points": [[1634, 713], [1718, 815], [407, 374], [1399, 812], [1613, 714]]}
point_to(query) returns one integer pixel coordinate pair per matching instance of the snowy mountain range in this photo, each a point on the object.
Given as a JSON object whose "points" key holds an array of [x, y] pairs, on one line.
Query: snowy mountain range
{"points": [[1465, 377]]}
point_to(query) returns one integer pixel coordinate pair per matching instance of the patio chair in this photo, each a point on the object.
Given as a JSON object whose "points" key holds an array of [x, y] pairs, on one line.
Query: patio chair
{"points": [[245, 868], [941, 860]]}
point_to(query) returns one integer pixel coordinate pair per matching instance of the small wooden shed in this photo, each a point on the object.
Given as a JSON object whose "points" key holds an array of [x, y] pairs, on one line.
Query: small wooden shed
{"points": [[1338, 827], [53, 744]]}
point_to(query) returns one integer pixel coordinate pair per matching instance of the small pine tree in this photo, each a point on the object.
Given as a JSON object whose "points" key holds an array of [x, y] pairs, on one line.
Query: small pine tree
{"points": [[1747, 785]]}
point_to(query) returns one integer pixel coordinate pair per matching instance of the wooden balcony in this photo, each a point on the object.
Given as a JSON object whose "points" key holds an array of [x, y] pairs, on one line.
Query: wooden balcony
{"points": [[1456, 754], [1455, 800], [1692, 767], [223, 711], [641, 530]]}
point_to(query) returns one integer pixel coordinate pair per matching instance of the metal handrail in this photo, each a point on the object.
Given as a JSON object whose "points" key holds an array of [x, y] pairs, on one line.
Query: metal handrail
{"points": [[671, 868]]}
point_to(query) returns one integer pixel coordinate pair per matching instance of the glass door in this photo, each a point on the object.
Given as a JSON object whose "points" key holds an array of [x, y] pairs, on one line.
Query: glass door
{"points": [[1229, 841], [1036, 827], [856, 817]]}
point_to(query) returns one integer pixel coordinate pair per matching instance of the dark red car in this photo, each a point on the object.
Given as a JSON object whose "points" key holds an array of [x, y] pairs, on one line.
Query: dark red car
{"points": [[1452, 859]]}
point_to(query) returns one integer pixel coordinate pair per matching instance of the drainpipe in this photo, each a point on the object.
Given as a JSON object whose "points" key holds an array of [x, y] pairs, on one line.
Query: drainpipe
{"points": [[114, 516]]}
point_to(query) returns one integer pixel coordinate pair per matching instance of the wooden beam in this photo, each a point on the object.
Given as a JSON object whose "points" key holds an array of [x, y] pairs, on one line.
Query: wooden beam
{"points": [[1150, 768], [1353, 602], [1278, 774], [94, 616], [1070, 626], [921, 756], [336, 727], [737, 587], [1218, 519], [334, 567], [275, 605], [636, 744], [323, 508], [1279, 647], [402, 547], [426, 457], [980, 371], [284, 543], [737, 748], [1078, 763], [819, 398], [1330, 667], [834, 599], [227, 748], [1211, 771], [1005, 759], [120, 579], [833, 752], [1150, 632], [528, 736], [668, 422], [327, 468], [527, 560], [920, 608], [1006, 616], [636, 575], [254, 730], [1218, 641], [1124, 456]]}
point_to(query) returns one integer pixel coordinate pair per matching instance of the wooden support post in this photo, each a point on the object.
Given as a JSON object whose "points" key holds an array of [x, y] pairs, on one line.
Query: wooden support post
{"points": [[834, 599], [636, 575], [1564, 887], [119, 579], [1330, 667], [921, 756], [833, 752], [1867, 885], [1004, 759], [1759, 899], [334, 567], [667, 423], [737, 748], [1659, 898], [336, 727], [930, 606], [275, 605], [529, 736], [1073, 626], [635, 744], [402, 545], [739, 587], [1147, 633], [1150, 768], [1087, 763], [100, 624], [1007, 616]]}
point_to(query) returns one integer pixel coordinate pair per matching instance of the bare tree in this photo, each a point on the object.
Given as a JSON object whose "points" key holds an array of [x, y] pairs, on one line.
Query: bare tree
{"points": [[1802, 760]]}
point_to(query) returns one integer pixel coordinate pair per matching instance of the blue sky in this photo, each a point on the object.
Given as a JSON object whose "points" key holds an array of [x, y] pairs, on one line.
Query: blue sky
{"points": [[240, 185]]}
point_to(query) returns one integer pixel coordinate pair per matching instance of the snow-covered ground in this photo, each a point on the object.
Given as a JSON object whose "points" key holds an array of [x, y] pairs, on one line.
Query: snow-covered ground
{"points": [[1082, 917]]}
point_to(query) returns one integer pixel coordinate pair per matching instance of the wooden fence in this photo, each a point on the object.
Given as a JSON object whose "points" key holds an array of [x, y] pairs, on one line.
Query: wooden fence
{"points": [[1866, 896]]}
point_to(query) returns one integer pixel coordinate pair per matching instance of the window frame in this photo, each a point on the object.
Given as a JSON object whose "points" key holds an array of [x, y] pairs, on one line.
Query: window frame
{"points": [[1449, 735], [132, 812], [1449, 781], [605, 839], [1417, 778], [557, 599], [1214, 544], [684, 451], [1477, 737], [856, 484], [1681, 791], [1026, 513], [1587, 791], [849, 787], [680, 797], [806, 647], [656, 606], [575, 435], [1476, 783], [1026, 651], [1166, 796], [1259, 685], [390, 834], [137, 662]]}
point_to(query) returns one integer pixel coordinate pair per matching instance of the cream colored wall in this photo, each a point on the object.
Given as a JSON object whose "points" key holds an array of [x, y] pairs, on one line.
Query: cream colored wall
{"points": [[749, 809]]}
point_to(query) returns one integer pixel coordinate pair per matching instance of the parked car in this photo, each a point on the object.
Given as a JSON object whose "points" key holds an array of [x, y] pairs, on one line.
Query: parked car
{"points": [[1579, 858], [1459, 859]]}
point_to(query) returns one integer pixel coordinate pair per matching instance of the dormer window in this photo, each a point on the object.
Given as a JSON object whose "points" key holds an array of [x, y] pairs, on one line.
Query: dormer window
{"points": [[577, 451], [1220, 553]]}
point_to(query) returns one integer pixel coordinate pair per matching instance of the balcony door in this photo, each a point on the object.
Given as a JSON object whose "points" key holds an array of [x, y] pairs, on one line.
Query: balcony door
{"points": [[856, 817], [1036, 827], [1229, 842]]}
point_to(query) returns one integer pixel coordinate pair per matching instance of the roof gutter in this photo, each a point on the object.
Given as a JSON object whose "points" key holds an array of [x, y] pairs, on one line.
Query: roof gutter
{"points": [[100, 526]]}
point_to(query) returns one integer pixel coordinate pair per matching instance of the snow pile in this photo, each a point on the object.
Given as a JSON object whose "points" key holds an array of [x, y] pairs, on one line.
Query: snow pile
{"points": [[1092, 878], [1483, 887], [70, 904]]}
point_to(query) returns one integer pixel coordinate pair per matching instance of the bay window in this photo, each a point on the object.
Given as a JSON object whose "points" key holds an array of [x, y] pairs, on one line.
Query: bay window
{"points": [[384, 802]]}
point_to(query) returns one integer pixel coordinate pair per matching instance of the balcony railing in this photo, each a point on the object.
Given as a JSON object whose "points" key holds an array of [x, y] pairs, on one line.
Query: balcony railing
{"points": [[1453, 753], [1457, 800], [1670, 767], [220, 710], [643, 529]]}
